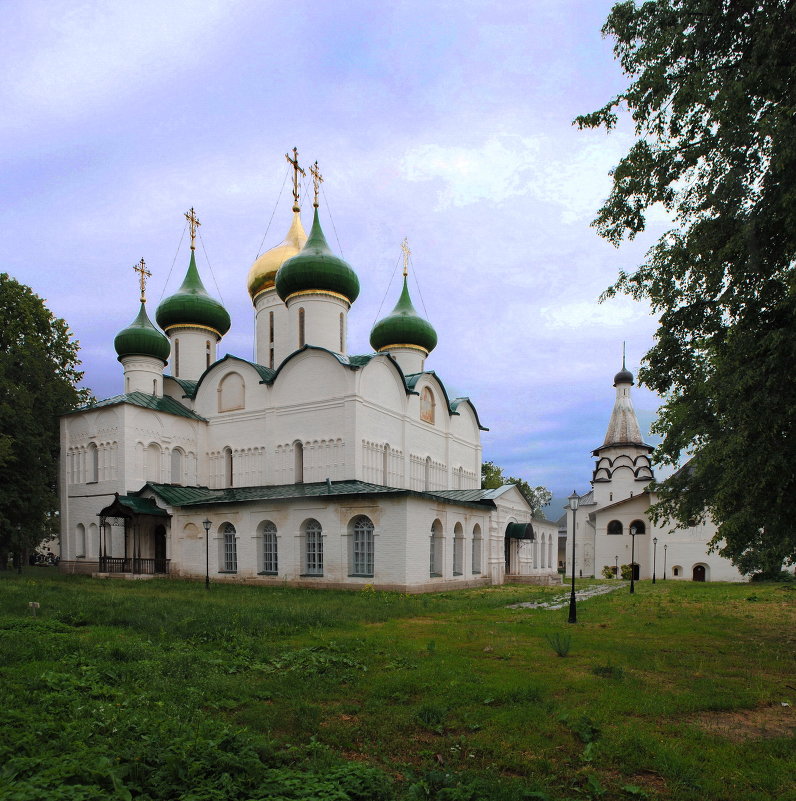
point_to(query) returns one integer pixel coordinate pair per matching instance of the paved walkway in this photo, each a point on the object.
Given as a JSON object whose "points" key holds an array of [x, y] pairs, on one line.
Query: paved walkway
{"points": [[560, 601]]}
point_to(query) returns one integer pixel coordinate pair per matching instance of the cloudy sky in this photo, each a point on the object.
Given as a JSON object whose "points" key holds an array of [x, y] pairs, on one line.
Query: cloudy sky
{"points": [[445, 122]]}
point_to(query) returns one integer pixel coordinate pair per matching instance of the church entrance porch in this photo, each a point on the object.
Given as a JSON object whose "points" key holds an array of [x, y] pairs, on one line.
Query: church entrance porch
{"points": [[143, 538]]}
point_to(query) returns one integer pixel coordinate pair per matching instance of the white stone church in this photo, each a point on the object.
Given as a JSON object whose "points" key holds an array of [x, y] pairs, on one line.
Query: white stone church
{"points": [[310, 466], [612, 526]]}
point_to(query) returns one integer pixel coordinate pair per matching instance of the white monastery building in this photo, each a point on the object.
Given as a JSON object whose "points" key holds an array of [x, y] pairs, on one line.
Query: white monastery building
{"points": [[309, 466], [612, 523]]}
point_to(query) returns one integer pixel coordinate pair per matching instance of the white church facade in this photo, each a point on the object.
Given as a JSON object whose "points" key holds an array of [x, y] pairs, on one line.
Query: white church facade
{"points": [[612, 525], [308, 466]]}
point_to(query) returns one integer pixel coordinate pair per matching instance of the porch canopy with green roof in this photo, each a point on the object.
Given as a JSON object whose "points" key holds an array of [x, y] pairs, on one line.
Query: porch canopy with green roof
{"points": [[144, 524]]}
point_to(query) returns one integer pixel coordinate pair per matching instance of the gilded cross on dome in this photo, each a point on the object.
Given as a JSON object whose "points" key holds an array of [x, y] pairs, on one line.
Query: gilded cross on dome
{"points": [[143, 274], [317, 180], [296, 170], [193, 222], [407, 253]]}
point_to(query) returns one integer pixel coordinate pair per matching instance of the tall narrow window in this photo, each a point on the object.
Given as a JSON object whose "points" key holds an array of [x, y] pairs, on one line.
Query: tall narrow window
{"points": [[80, 541], [270, 555], [476, 549], [313, 548], [458, 550], [228, 476], [298, 463], [176, 358], [230, 548], [176, 466], [207, 354], [301, 327], [271, 340], [362, 547], [342, 333], [153, 462], [93, 464]]}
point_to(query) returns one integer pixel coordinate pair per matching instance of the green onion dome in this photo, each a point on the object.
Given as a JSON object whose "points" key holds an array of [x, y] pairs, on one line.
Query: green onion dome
{"points": [[403, 327], [141, 338], [192, 306], [316, 269]]}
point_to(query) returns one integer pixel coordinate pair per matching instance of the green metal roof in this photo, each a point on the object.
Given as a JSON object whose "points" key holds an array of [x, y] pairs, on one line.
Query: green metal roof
{"points": [[141, 338], [191, 305], [411, 382], [188, 387], [165, 404], [403, 326], [203, 496], [316, 267], [127, 505]]}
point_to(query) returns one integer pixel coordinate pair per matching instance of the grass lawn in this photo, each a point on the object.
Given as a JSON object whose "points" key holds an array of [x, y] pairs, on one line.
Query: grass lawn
{"points": [[160, 689]]}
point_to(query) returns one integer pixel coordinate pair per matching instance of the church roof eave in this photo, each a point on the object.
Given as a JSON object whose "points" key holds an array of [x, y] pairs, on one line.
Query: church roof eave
{"points": [[165, 404]]}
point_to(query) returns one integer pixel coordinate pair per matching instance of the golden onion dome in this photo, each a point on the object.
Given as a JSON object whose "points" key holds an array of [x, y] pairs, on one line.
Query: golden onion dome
{"points": [[262, 274]]}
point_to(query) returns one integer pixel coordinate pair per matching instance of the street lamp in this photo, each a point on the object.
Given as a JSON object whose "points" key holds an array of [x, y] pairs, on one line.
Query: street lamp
{"points": [[206, 523], [616, 567], [632, 559], [573, 504], [664, 561], [654, 554]]}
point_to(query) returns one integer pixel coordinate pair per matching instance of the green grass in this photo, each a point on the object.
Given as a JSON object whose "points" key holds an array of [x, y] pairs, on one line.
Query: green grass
{"points": [[160, 689]]}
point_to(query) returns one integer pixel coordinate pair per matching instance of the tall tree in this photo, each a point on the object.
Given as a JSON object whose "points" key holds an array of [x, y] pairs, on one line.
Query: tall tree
{"points": [[538, 497], [712, 93], [38, 381]]}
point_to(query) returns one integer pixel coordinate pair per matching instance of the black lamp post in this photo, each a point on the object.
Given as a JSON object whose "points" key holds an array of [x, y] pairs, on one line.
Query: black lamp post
{"points": [[654, 554], [664, 561], [573, 505], [206, 523], [632, 559], [616, 567]]}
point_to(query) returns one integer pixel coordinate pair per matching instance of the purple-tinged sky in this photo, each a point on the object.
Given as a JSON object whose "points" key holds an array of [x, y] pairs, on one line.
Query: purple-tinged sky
{"points": [[445, 122]]}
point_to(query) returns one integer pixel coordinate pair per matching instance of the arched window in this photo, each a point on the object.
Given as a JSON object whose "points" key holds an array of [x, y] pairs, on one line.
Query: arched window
{"points": [[92, 540], [228, 474], [427, 404], [176, 466], [477, 541], [153, 462], [361, 553], [435, 549], [313, 548], [640, 527], [80, 541], [271, 340], [231, 393], [301, 327], [176, 358], [230, 561], [270, 553], [207, 354], [92, 475], [342, 333], [458, 550], [615, 527], [298, 462]]}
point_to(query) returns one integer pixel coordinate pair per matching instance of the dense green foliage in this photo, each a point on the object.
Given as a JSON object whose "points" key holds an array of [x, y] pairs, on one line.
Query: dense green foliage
{"points": [[538, 497], [712, 94], [162, 690], [38, 378]]}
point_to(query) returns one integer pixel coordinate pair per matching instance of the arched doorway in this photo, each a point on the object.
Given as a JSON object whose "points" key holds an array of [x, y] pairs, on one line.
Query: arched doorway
{"points": [[160, 549], [699, 573]]}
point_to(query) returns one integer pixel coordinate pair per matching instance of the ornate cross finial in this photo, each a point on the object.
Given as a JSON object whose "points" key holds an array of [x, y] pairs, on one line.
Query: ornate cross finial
{"points": [[143, 274], [317, 180], [193, 222], [407, 253], [296, 170]]}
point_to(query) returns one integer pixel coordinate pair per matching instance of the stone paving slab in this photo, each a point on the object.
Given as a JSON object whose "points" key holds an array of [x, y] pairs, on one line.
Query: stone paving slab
{"points": [[560, 601]]}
